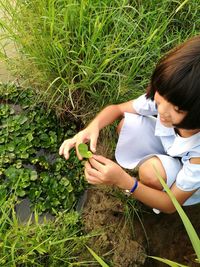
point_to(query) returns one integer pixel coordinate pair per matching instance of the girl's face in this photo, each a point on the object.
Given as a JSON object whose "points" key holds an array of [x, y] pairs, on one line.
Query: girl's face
{"points": [[169, 114]]}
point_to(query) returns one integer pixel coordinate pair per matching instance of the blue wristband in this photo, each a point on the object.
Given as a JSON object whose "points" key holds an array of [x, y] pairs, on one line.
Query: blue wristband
{"points": [[129, 192], [134, 187]]}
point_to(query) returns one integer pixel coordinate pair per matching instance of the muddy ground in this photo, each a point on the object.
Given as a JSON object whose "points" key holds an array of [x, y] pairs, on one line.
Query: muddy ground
{"points": [[128, 243]]}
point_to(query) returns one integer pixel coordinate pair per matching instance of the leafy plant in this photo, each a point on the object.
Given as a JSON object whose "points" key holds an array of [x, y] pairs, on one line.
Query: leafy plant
{"points": [[30, 164]]}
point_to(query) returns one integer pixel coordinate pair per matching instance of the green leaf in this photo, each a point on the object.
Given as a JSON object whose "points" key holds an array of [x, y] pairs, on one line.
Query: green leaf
{"points": [[168, 262], [64, 181], [29, 137], [41, 250], [2, 139], [83, 150], [11, 147], [33, 176], [18, 164], [22, 119], [20, 192], [98, 259]]}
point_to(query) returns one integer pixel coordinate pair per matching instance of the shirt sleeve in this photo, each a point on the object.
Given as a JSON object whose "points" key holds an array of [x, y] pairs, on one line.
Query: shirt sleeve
{"points": [[188, 179], [144, 106]]}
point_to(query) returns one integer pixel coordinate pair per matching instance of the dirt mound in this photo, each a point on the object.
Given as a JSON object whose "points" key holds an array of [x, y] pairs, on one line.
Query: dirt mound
{"points": [[160, 235], [103, 213]]}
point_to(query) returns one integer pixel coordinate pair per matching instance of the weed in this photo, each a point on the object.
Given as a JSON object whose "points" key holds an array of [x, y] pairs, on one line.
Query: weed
{"points": [[84, 55], [52, 243]]}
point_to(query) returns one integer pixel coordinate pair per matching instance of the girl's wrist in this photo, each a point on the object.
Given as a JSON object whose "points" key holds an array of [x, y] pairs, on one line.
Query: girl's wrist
{"points": [[132, 190], [127, 182]]}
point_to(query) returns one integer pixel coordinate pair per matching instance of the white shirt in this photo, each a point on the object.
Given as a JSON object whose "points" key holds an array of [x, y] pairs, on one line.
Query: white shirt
{"points": [[188, 178]]}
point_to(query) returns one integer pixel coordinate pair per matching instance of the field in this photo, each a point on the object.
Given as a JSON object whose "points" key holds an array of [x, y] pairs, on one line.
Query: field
{"points": [[67, 60]]}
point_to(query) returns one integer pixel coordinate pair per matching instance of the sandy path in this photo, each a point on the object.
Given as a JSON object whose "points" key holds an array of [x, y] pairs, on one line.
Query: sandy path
{"points": [[8, 47]]}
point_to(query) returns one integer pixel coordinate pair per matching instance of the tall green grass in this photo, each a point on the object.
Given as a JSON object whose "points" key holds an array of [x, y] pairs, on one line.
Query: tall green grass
{"points": [[82, 55], [51, 243]]}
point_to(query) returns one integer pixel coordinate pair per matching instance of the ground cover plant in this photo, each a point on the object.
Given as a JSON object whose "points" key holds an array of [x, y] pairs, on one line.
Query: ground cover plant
{"points": [[52, 243], [82, 55], [30, 165]]}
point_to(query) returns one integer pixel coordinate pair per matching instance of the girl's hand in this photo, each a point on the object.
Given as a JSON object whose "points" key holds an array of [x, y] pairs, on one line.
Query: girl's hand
{"points": [[90, 133], [100, 170]]}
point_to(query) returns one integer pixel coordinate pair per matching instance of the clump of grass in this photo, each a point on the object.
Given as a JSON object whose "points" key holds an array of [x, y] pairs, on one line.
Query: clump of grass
{"points": [[52, 243], [86, 54]]}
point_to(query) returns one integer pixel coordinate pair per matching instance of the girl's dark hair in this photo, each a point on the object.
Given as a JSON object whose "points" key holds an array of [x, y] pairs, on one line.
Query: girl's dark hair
{"points": [[177, 79]]}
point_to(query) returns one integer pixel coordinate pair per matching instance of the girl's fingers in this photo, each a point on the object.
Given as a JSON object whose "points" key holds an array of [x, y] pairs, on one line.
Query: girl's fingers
{"points": [[91, 171], [77, 151], [90, 178], [93, 143], [98, 162], [66, 146], [101, 159], [61, 148]]}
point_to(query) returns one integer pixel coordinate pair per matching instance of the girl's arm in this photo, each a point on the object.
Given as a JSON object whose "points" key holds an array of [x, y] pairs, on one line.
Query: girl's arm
{"points": [[160, 199], [100, 170], [111, 113], [90, 134]]}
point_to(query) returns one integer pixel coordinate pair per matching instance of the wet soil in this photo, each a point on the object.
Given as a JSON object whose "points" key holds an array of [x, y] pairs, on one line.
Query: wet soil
{"points": [[125, 243]]}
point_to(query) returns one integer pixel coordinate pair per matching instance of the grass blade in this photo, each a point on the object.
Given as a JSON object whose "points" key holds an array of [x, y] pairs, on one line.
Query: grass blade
{"points": [[97, 258], [168, 262]]}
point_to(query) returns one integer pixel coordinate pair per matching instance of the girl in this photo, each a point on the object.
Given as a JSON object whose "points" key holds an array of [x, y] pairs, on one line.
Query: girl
{"points": [[160, 129]]}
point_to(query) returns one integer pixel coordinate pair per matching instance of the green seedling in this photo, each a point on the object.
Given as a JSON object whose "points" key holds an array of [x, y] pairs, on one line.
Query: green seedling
{"points": [[84, 152]]}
